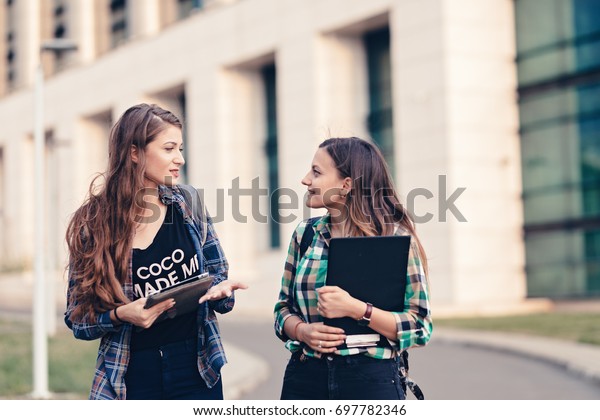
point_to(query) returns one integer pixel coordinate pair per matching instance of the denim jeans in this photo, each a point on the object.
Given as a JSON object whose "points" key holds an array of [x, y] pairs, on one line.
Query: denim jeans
{"points": [[355, 377], [168, 372]]}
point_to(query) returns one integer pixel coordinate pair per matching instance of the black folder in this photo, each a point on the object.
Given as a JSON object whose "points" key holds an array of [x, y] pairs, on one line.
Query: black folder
{"points": [[372, 269]]}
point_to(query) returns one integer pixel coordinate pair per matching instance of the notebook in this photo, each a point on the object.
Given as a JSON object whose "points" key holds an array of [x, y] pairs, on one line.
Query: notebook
{"points": [[372, 269]]}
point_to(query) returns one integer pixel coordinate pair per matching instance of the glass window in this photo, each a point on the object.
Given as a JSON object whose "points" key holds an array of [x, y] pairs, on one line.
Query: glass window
{"points": [[555, 264], [187, 7], [546, 108], [546, 65], [550, 157], [563, 38], [10, 58], [379, 68], [559, 97], [119, 31], [586, 16], [592, 254], [269, 78], [60, 31], [185, 137], [539, 26], [553, 205]]}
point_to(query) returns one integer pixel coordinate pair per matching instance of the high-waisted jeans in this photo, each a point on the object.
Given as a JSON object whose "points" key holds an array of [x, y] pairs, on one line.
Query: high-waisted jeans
{"points": [[341, 378], [168, 372]]}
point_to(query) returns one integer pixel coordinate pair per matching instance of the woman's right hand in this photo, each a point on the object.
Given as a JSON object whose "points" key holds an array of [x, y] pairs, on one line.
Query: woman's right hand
{"points": [[320, 337], [135, 314]]}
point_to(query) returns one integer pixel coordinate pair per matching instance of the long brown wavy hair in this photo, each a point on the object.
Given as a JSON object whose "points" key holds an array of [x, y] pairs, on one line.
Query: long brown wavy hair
{"points": [[100, 233], [373, 204]]}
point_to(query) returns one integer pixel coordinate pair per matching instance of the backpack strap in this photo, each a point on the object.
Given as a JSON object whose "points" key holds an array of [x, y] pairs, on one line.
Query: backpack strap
{"points": [[308, 235], [194, 201], [405, 380]]}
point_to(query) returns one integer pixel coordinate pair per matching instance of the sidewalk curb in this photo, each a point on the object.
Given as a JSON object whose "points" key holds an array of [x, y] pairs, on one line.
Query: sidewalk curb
{"points": [[578, 358], [243, 372]]}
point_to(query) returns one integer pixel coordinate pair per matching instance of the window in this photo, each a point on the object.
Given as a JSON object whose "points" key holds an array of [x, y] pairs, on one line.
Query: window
{"points": [[118, 22], [187, 7], [268, 74], [60, 31], [11, 63], [182, 106], [559, 89], [379, 119]]}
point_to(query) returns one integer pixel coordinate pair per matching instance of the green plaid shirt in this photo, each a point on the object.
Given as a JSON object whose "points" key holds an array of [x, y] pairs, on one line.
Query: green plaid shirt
{"points": [[302, 276]]}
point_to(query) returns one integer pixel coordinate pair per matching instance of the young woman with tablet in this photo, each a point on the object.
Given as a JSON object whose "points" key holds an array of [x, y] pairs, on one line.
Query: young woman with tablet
{"points": [[136, 234]]}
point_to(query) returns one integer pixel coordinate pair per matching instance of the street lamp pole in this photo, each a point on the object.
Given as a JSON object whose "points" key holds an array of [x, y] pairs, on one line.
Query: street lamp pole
{"points": [[40, 336]]}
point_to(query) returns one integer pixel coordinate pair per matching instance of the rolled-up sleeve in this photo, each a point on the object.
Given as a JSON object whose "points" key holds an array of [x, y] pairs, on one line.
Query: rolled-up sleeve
{"points": [[84, 328], [414, 324]]}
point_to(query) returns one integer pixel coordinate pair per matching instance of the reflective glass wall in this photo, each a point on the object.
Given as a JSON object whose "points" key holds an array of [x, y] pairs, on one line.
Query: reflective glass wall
{"points": [[558, 58]]}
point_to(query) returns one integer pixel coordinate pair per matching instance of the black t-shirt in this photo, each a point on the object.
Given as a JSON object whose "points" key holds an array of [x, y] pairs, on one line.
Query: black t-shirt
{"points": [[169, 259]]}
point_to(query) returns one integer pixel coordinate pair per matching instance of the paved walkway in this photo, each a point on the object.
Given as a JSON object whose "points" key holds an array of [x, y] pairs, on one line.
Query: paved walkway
{"points": [[581, 359]]}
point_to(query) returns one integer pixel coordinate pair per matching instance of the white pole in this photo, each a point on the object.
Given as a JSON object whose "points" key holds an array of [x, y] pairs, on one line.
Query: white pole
{"points": [[52, 235], [40, 338]]}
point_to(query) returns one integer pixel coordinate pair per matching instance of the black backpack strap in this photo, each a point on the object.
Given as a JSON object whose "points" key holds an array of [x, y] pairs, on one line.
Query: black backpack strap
{"points": [[405, 380], [308, 235]]}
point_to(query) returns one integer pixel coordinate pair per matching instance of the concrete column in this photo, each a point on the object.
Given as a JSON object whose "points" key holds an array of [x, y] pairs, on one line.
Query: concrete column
{"points": [[342, 92], [82, 19], [144, 16], [457, 128], [299, 134], [29, 14]]}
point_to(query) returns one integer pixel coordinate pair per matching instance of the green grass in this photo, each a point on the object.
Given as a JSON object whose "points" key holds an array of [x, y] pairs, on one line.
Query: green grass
{"points": [[580, 327], [71, 362]]}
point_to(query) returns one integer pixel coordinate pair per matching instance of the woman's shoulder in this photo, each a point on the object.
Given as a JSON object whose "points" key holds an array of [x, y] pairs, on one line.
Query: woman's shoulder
{"points": [[312, 222], [303, 225]]}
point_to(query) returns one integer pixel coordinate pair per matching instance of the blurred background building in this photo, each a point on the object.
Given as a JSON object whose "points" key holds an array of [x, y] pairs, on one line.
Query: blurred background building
{"points": [[487, 111]]}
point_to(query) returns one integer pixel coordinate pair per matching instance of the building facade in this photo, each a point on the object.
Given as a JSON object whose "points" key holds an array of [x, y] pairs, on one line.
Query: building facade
{"points": [[259, 83]]}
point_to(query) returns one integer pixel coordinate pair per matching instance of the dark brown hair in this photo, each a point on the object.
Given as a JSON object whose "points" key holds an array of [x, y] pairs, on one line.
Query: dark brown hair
{"points": [[100, 233], [373, 204]]}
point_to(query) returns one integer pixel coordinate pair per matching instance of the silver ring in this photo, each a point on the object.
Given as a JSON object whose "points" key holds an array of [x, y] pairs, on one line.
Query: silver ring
{"points": [[320, 344]]}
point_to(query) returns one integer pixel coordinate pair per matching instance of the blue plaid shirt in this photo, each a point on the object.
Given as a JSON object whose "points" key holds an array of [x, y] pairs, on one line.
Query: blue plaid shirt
{"points": [[114, 350]]}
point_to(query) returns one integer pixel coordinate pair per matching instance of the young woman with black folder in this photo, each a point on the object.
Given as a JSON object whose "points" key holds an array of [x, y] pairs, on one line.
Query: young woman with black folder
{"points": [[136, 234], [349, 178]]}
